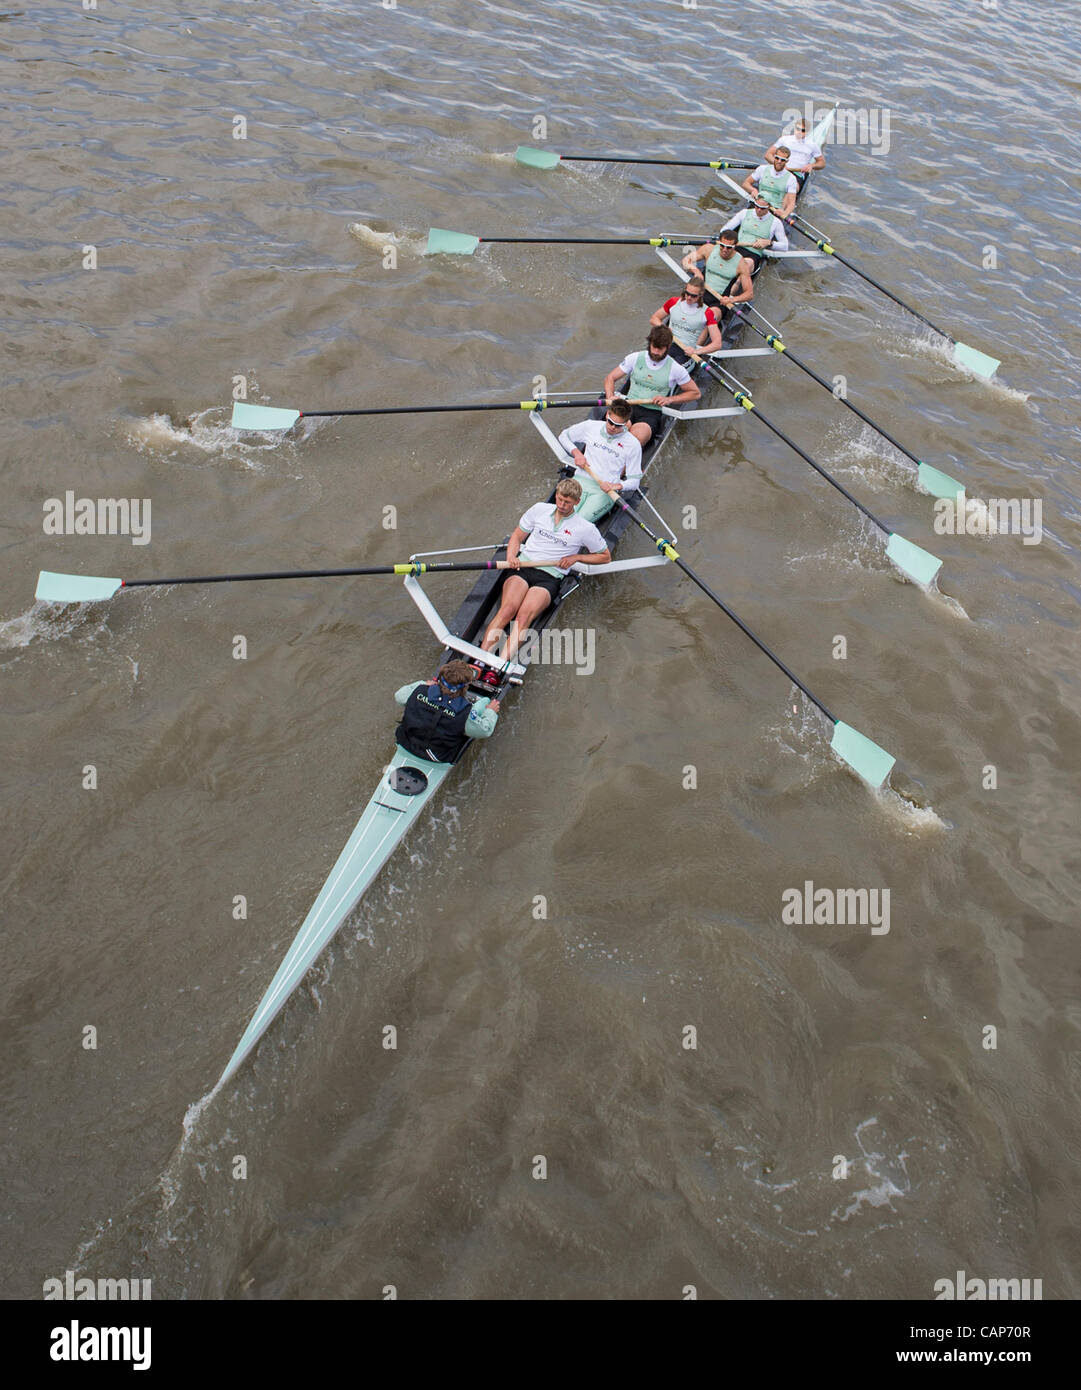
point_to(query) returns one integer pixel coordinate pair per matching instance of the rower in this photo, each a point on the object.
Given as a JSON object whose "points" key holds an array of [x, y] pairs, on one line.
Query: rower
{"points": [[439, 719], [756, 228], [728, 272], [652, 374], [804, 154], [555, 535], [613, 453], [693, 325], [774, 182]]}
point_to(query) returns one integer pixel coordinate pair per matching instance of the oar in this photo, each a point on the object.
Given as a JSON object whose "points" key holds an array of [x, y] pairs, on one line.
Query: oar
{"points": [[972, 359], [87, 588], [272, 417], [920, 565], [938, 484], [84, 588], [548, 159], [442, 242], [978, 363], [870, 761]]}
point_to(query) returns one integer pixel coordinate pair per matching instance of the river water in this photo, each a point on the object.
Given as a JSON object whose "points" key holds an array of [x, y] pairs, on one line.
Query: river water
{"points": [[584, 950]]}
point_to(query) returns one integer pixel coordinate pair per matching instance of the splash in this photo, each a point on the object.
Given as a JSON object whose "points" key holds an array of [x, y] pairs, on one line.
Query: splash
{"points": [[937, 349], [44, 622], [379, 241], [907, 815]]}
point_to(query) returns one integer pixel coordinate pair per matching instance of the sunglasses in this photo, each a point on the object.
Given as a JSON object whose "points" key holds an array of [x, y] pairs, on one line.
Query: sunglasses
{"points": [[615, 424]]}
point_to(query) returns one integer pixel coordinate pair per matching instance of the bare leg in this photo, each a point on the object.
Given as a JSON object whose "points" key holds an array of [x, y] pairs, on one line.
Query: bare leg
{"points": [[533, 605], [642, 433], [515, 589]]}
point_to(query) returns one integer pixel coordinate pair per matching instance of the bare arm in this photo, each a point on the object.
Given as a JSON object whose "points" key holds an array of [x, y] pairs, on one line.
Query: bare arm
{"points": [[518, 537], [601, 557], [744, 284], [610, 383], [690, 392], [696, 254]]}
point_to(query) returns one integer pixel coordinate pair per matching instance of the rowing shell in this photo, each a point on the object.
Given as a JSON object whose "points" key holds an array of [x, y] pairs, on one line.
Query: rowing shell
{"points": [[408, 784]]}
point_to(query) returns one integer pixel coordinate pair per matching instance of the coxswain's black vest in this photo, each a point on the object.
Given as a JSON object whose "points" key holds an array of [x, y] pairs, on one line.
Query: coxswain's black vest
{"points": [[433, 724]]}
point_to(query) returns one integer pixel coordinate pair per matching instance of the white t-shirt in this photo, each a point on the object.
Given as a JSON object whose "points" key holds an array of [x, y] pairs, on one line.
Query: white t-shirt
{"points": [[552, 536], [679, 375], [803, 150], [614, 458]]}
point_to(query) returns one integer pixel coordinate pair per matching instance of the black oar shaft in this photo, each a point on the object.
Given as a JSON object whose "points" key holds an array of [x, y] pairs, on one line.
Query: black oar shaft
{"points": [[831, 250], [681, 163], [449, 409], [666, 548], [741, 396], [787, 352], [419, 567], [571, 240]]}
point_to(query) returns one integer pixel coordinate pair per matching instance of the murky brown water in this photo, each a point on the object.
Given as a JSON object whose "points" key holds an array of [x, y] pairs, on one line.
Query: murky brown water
{"points": [[263, 259]]}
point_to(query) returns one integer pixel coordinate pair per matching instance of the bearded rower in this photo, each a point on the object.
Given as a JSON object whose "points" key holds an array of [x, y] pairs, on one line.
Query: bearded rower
{"points": [[803, 153], [613, 453], [774, 182], [757, 230], [656, 379], [555, 535], [727, 271], [695, 328]]}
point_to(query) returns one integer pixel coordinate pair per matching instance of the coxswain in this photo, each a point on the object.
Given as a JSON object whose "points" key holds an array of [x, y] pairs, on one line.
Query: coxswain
{"points": [[774, 182], [439, 719], [555, 536], [656, 379], [695, 327], [727, 270], [804, 154], [613, 453]]}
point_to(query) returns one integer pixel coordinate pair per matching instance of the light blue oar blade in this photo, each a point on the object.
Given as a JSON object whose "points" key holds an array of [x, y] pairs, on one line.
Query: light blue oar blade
{"points": [[75, 588], [939, 484], [262, 417], [450, 243], [974, 361], [918, 564], [536, 159], [871, 762]]}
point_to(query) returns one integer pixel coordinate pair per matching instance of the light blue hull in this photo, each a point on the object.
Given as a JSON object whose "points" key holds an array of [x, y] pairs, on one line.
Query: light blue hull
{"points": [[387, 817]]}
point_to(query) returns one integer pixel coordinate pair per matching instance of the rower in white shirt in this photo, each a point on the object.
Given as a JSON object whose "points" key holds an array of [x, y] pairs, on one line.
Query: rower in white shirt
{"points": [[655, 380], [774, 182], [552, 535], [695, 328], [757, 230], [613, 453], [803, 153]]}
